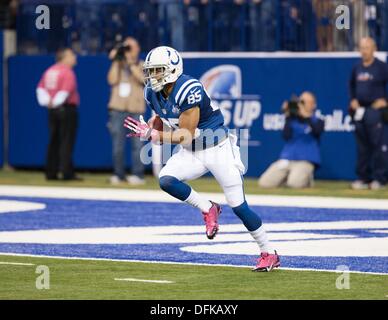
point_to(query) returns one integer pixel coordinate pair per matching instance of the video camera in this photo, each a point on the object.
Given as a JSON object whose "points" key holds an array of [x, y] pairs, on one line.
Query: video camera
{"points": [[292, 106], [121, 49]]}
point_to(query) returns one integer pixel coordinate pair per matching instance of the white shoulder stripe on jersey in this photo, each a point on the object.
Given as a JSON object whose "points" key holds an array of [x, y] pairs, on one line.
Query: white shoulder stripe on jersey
{"points": [[145, 94], [183, 86], [183, 96]]}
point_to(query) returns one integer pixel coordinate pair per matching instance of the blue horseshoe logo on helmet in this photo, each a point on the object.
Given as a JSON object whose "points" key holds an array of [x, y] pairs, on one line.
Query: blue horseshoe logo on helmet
{"points": [[173, 62]]}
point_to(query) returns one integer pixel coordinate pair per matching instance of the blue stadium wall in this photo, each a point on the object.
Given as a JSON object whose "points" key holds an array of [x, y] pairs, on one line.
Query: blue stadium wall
{"points": [[1, 100], [266, 81]]}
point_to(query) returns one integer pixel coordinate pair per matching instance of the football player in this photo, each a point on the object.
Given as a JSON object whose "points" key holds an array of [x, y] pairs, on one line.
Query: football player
{"points": [[182, 103]]}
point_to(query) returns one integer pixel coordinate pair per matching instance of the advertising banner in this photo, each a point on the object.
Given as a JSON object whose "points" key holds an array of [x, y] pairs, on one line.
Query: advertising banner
{"points": [[248, 88]]}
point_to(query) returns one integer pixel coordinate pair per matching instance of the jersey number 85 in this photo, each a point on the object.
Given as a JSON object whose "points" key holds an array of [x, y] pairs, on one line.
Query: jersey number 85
{"points": [[194, 97]]}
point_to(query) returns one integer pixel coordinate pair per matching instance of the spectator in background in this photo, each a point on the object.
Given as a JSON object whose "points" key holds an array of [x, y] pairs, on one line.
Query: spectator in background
{"points": [[371, 18], [368, 108], [262, 15], [308, 26], [126, 80], [300, 155], [324, 11], [57, 91], [227, 25], [384, 26], [172, 20], [144, 22], [8, 13], [197, 25], [291, 23]]}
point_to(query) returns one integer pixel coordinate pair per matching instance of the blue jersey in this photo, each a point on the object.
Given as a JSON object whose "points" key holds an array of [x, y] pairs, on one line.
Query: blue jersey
{"points": [[189, 93], [368, 84]]}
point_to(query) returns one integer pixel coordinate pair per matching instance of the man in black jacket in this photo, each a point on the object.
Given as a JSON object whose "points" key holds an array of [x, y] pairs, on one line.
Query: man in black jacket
{"points": [[368, 107]]}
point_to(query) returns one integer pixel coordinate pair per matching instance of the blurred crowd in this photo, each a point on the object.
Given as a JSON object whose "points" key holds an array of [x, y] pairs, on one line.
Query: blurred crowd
{"points": [[91, 26], [8, 13]]}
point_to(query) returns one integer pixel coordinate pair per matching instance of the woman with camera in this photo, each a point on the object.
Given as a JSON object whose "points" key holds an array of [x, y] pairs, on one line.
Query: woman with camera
{"points": [[300, 155], [125, 77]]}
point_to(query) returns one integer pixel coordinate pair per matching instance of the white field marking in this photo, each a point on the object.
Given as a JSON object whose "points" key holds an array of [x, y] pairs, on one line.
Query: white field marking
{"points": [[178, 234], [359, 247], [379, 231], [17, 263], [7, 206], [142, 280], [159, 196], [179, 263], [279, 54], [232, 239]]}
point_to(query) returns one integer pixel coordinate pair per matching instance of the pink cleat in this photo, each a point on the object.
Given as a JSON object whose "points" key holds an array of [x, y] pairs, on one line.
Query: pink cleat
{"points": [[267, 262], [211, 220]]}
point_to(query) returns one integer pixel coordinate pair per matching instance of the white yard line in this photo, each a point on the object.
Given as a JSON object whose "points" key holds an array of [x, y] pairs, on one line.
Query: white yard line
{"points": [[16, 263], [180, 263], [143, 280], [159, 196]]}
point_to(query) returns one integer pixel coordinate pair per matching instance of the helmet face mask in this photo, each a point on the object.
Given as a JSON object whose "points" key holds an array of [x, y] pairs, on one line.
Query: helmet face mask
{"points": [[155, 75], [163, 65]]}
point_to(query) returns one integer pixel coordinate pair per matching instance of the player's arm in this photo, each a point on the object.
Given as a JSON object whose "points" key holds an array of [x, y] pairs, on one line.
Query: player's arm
{"points": [[189, 104], [188, 123]]}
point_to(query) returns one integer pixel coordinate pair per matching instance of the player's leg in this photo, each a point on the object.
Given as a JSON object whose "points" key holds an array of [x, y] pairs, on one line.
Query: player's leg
{"points": [[221, 163], [183, 166]]}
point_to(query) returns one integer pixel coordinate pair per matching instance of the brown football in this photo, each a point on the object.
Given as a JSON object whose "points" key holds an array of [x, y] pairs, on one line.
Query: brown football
{"points": [[158, 124]]}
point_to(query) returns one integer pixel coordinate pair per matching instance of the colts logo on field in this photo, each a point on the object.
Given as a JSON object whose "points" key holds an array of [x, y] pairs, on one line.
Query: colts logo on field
{"points": [[223, 81]]}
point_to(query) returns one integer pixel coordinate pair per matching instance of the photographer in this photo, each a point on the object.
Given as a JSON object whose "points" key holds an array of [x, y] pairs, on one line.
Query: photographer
{"points": [[300, 155], [126, 80]]}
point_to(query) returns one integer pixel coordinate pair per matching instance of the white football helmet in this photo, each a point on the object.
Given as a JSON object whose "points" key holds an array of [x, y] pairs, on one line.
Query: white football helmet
{"points": [[162, 65]]}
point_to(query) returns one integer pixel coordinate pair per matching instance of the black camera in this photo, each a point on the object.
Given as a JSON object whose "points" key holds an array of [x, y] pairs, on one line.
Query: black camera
{"points": [[121, 50], [292, 106]]}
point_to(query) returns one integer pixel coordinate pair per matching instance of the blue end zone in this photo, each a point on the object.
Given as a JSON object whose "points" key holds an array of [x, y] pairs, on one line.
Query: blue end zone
{"points": [[76, 214]]}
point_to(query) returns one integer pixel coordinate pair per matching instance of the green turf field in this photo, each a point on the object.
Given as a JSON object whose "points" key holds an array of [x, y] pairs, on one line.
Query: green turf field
{"points": [[100, 180], [91, 279], [80, 279]]}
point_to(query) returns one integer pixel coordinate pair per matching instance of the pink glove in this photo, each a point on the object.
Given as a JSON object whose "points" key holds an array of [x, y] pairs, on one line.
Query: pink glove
{"points": [[141, 129]]}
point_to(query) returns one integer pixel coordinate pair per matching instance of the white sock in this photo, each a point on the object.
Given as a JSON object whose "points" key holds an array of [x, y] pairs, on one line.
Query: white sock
{"points": [[198, 202], [260, 235]]}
